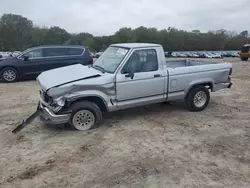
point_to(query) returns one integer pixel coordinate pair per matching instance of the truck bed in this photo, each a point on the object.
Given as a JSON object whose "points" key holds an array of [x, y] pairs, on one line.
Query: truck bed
{"points": [[183, 73], [186, 63]]}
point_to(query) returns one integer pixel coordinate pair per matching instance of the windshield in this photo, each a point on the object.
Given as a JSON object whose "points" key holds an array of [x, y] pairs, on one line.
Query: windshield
{"points": [[111, 59]]}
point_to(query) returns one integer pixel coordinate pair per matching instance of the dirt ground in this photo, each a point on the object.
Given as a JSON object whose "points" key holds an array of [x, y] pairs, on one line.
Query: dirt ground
{"points": [[155, 146]]}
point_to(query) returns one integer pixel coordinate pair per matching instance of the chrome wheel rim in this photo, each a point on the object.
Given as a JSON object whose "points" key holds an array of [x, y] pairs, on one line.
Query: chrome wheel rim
{"points": [[9, 75], [83, 120], [200, 99]]}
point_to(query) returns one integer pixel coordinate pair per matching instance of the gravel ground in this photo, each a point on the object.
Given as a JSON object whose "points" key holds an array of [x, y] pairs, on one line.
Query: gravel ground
{"points": [[154, 146]]}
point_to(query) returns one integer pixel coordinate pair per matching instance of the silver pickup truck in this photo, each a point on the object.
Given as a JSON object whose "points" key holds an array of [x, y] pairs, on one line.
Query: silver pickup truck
{"points": [[126, 75]]}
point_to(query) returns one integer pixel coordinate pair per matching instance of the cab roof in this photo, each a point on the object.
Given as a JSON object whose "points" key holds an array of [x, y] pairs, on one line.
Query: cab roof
{"points": [[136, 45]]}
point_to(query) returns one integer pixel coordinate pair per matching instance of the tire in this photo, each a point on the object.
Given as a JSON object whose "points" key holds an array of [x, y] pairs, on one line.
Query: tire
{"points": [[9, 75], [243, 58], [85, 115], [197, 98]]}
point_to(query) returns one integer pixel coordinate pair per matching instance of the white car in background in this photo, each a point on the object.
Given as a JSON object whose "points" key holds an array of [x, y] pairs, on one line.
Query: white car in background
{"points": [[195, 55], [209, 55], [174, 54], [1, 57], [15, 53], [216, 55], [5, 55]]}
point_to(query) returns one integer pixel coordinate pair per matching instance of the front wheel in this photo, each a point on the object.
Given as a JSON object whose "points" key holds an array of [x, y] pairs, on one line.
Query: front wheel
{"points": [[85, 115], [243, 58], [9, 74], [197, 98]]}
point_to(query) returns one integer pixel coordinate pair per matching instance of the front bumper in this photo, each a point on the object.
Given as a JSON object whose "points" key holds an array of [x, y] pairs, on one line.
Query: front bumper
{"points": [[49, 117]]}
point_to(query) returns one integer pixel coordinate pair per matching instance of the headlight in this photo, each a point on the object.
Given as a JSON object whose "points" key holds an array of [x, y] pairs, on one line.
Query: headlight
{"points": [[45, 97]]}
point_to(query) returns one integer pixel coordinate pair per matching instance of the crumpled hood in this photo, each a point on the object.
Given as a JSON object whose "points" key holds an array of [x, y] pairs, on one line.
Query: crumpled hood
{"points": [[64, 75]]}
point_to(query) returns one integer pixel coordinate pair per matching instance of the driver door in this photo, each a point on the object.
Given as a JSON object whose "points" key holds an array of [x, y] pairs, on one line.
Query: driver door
{"points": [[33, 61], [147, 80]]}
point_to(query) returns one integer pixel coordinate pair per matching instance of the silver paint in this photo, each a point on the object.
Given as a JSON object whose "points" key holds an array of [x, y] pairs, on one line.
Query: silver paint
{"points": [[119, 92]]}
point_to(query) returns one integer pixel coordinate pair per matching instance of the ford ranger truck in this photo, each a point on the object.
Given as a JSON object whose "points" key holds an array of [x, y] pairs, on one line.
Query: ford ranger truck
{"points": [[125, 76]]}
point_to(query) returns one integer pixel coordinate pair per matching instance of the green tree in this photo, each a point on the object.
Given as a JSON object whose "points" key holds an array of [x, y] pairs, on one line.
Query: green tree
{"points": [[18, 33], [38, 36], [89, 42], [78, 39], [15, 31], [56, 35]]}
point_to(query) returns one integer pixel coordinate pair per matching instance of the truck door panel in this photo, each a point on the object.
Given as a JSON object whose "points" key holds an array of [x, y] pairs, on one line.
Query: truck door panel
{"points": [[148, 79]]}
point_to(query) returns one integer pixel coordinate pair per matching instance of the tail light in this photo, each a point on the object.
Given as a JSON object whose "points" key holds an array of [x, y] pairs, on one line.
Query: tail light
{"points": [[91, 57], [230, 71]]}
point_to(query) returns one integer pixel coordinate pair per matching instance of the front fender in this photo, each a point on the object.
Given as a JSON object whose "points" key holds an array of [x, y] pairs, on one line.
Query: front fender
{"points": [[90, 93], [105, 92]]}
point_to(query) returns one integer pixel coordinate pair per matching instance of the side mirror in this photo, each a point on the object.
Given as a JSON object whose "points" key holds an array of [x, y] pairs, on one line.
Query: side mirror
{"points": [[25, 58], [130, 74]]}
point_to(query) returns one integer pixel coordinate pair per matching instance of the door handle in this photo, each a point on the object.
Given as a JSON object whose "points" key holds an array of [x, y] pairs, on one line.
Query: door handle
{"points": [[157, 75]]}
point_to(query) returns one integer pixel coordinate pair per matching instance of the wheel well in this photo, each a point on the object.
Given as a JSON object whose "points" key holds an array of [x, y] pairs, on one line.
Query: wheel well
{"points": [[97, 100], [10, 67], [208, 85]]}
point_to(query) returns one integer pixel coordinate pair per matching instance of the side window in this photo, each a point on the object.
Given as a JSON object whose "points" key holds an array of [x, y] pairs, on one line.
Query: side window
{"points": [[141, 61], [53, 52], [74, 51], [36, 53], [245, 49]]}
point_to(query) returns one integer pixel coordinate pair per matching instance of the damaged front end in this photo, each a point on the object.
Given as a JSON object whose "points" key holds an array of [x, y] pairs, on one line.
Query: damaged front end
{"points": [[60, 87], [46, 115], [50, 110]]}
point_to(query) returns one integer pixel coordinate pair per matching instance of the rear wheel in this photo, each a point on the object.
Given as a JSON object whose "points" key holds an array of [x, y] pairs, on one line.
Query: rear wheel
{"points": [[85, 115], [243, 58], [197, 98], [9, 74]]}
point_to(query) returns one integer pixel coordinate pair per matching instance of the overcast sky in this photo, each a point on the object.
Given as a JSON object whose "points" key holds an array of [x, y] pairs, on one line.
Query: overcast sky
{"points": [[104, 17]]}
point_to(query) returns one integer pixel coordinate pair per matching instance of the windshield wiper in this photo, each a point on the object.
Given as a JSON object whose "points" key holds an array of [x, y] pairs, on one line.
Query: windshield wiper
{"points": [[100, 68]]}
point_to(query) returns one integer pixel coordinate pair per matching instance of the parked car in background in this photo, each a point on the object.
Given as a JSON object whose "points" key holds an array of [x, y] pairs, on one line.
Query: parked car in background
{"points": [[42, 58], [209, 55], [201, 55], [168, 54], [216, 55], [226, 54], [244, 52], [16, 53], [179, 54], [98, 54], [195, 55], [235, 54], [188, 54], [174, 54], [5, 55], [1, 57]]}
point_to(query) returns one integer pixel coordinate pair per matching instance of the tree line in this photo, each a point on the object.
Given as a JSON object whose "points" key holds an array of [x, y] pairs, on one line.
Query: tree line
{"points": [[20, 33]]}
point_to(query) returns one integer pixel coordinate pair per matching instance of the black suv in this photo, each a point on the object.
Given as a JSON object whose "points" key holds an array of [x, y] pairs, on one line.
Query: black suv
{"points": [[38, 59]]}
